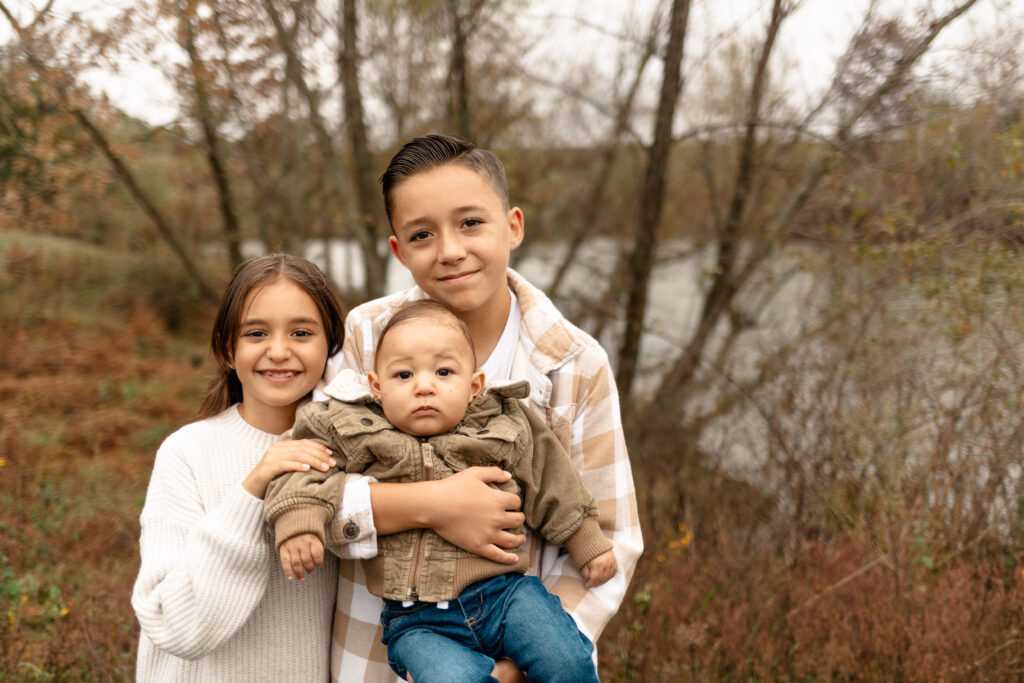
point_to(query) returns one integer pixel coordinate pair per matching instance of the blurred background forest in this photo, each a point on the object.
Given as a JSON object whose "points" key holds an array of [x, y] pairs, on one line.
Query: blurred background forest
{"points": [[809, 289]]}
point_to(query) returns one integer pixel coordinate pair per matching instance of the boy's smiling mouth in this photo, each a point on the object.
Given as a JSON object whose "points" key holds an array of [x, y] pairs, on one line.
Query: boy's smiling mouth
{"points": [[456, 278]]}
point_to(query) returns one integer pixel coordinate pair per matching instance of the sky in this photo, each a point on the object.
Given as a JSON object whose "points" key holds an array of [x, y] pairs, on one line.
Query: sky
{"points": [[810, 43]]}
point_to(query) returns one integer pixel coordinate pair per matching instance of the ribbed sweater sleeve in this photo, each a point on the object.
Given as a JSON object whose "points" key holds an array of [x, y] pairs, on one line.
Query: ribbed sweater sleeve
{"points": [[203, 571]]}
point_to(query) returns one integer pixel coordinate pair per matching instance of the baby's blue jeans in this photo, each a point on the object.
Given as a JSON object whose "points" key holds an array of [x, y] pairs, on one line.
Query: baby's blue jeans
{"points": [[511, 615]]}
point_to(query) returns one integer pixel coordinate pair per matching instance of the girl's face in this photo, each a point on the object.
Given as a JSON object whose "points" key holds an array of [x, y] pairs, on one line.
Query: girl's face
{"points": [[280, 354]]}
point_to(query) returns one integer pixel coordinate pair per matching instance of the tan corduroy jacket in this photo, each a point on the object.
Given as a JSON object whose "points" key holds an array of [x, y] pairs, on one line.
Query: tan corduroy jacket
{"points": [[419, 564]]}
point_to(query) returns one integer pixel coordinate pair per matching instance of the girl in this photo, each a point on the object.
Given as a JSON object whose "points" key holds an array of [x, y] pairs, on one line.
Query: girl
{"points": [[211, 600]]}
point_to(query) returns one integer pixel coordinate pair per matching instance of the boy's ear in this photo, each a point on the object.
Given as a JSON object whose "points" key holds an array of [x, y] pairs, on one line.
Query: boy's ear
{"points": [[393, 243], [374, 381], [516, 227]]}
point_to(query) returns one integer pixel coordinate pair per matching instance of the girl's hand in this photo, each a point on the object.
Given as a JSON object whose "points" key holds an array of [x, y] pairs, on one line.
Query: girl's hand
{"points": [[600, 569], [301, 555], [287, 456]]}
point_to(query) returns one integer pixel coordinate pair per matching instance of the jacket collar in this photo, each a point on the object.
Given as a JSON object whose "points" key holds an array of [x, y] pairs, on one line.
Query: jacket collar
{"points": [[549, 339]]}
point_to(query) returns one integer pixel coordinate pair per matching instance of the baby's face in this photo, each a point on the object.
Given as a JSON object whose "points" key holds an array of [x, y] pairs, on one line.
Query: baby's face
{"points": [[425, 377]]}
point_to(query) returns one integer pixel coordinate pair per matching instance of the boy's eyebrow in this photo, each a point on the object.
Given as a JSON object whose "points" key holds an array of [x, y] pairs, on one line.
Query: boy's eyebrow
{"points": [[424, 220]]}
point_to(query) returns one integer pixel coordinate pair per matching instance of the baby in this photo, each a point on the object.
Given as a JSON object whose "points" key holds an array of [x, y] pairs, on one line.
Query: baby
{"points": [[425, 415]]}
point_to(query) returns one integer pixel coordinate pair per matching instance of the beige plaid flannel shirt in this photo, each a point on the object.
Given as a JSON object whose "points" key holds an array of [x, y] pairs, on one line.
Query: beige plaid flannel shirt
{"points": [[573, 389]]}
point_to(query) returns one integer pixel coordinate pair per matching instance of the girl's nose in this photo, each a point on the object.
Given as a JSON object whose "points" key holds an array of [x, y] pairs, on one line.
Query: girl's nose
{"points": [[279, 349]]}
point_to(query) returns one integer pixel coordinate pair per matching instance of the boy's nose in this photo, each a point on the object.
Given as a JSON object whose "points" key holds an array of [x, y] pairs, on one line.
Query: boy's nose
{"points": [[449, 248]]}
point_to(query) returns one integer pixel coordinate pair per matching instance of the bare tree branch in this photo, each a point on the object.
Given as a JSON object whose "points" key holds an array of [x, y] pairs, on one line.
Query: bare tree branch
{"points": [[120, 167]]}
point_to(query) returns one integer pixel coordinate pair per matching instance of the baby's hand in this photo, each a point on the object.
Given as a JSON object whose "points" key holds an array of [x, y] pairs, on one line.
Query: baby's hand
{"points": [[300, 555], [600, 569]]}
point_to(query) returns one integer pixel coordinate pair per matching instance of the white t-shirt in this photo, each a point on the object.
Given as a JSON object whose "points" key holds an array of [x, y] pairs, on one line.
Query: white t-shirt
{"points": [[498, 366]]}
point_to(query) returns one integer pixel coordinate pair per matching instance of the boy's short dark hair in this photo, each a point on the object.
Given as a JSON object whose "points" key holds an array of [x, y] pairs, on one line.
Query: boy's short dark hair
{"points": [[432, 151]]}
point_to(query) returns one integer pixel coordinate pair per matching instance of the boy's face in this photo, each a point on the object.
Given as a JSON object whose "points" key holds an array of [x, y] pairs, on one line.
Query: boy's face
{"points": [[454, 235], [425, 377]]}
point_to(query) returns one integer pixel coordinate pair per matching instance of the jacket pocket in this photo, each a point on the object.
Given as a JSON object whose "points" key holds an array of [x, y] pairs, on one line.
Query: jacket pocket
{"points": [[491, 444]]}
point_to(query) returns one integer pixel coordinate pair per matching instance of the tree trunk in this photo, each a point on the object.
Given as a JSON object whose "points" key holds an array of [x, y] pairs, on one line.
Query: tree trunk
{"points": [[146, 203], [651, 198], [214, 149], [458, 76], [368, 199]]}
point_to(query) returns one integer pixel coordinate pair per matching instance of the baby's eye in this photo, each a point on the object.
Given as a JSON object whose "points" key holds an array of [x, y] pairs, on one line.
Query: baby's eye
{"points": [[445, 372], [403, 374]]}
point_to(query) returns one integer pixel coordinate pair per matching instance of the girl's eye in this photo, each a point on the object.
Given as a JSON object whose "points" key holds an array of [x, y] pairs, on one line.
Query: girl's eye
{"points": [[255, 334], [302, 333]]}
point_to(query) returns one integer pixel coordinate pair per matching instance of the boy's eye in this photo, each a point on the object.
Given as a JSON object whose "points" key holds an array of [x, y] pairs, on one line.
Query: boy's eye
{"points": [[419, 236], [471, 222]]}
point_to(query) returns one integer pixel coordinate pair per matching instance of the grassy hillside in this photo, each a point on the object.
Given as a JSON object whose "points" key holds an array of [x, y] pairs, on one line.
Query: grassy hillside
{"points": [[93, 381]]}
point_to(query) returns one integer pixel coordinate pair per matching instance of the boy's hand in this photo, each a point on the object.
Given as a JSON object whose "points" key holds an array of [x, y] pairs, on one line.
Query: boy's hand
{"points": [[507, 672], [600, 569], [287, 456], [474, 516], [301, 555]]}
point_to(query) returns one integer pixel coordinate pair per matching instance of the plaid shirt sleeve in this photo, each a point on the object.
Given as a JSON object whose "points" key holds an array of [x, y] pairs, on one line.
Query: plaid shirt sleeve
{"points": [[355, 512], [584, 413]]}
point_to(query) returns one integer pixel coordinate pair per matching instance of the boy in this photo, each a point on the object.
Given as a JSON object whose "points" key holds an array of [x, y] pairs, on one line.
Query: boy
{"points": [[430, 419], [447, 202]]}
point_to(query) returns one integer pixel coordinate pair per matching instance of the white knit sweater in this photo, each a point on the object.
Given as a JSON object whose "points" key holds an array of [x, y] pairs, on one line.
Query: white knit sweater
{"points": [[211, 598]]}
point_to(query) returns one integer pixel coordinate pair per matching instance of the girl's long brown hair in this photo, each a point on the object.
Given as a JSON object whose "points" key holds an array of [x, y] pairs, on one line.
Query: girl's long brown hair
{"points": [[225, 388]]}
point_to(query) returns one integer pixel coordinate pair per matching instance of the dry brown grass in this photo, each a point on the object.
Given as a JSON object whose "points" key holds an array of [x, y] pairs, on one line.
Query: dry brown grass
{"points": [[727, 588]]}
